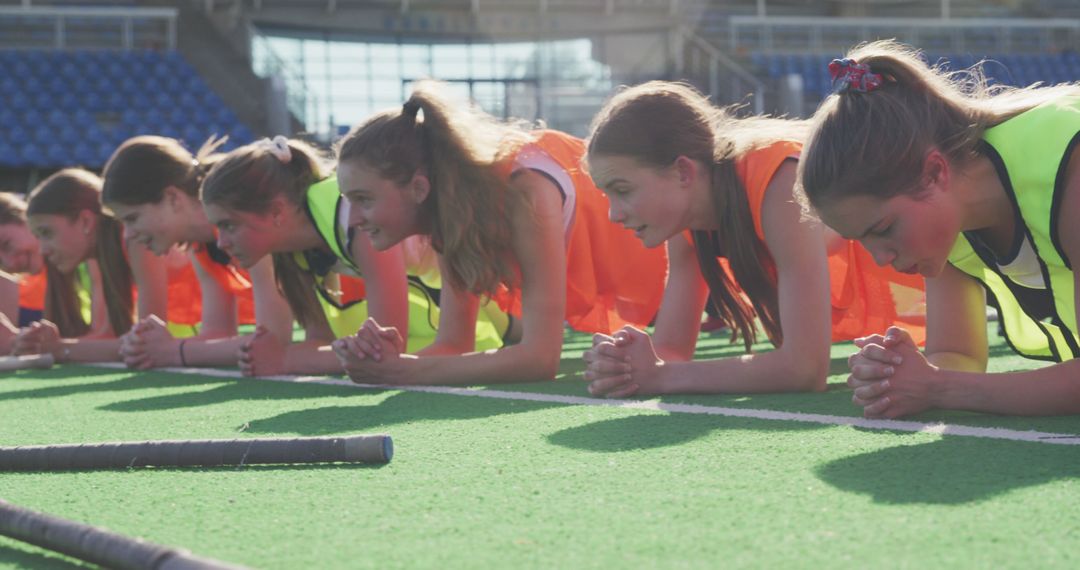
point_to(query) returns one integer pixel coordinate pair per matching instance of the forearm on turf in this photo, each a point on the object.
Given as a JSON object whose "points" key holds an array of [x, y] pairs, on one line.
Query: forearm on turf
{"points": [[88, 350], [312, 357], [442, 348], [209, 352], [517, 363], [751, 373], [1054, 390]]}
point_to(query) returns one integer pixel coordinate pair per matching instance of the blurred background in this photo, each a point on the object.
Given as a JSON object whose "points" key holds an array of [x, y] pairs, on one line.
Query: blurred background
{"points": [[77, 78]]}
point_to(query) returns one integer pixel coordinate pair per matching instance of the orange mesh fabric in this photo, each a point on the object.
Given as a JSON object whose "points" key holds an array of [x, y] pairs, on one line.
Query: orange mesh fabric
{"points": [[231, 279], [32, 292], [185, 295], [862, 292], [611, 278]]}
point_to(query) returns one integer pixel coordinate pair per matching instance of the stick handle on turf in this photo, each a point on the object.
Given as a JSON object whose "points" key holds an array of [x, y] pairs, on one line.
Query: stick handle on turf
{"points": [[26, 362], [97, 545], [202, 453]]}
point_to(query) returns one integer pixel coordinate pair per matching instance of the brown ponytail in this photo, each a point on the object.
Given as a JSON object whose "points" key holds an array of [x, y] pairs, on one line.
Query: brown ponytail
{"points": [[457, 147], [875, 142]]}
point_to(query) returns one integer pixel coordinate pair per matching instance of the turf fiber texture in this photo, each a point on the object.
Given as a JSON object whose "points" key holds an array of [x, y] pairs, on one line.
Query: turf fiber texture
{"points": [[481, 482]]}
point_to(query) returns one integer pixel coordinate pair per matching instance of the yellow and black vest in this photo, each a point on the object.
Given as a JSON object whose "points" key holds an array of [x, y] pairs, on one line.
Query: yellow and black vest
{"points": [[1031, 153], [344, 315], [324, 204]]}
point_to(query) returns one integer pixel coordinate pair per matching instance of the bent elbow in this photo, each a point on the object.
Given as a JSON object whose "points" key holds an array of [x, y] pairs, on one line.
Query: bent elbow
{"points": [[544, 364], [803, 377], [547, 367]]}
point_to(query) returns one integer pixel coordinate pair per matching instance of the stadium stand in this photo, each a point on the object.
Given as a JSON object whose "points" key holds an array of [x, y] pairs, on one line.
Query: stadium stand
{"points": [[1018, 69], [65, 108]]}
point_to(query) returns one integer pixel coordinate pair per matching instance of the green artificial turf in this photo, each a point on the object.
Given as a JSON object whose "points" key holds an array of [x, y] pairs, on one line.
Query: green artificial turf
{"points": [[481, 482]]}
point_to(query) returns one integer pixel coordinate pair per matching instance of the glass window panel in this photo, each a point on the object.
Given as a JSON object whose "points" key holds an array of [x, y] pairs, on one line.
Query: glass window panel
{"points": [[491, 97], [450, 61], [314, 57], [482, 61], [516, 60], [388, 89], [347, 81], [383, 60]]}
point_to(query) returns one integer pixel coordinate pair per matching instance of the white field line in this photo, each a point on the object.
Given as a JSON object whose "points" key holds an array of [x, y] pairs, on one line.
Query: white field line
{"points": [[889, 425]]}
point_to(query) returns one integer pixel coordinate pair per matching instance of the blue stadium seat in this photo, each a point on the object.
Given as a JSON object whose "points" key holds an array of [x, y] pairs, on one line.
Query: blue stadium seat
{"points": [[102, 151], [69, 135], [8, 119], [32, 118], [83, 119], [57, 119], [32, 155], [43, 135], [9, 154], [18, 135], [52, 101], [241, 135], [56, 153], [83, 154], [118, 134]]}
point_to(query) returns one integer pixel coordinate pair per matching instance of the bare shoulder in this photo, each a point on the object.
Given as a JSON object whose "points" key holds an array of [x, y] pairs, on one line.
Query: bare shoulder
{"points": [[541, 197], [782, 216], [1070, 208]]}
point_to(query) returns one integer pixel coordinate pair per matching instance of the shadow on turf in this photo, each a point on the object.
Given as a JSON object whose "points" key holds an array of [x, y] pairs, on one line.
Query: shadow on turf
{"points": [[651, 431], [67, 385], [399, 408], [229, 390], [23, 559], [950, 471]]}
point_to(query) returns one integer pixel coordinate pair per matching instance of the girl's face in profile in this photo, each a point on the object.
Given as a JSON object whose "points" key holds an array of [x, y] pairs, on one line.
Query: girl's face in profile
{"points": [[246, 236], [913, 233], [65, 242], [384, 210], [648, 201], [148, 224], [19, 249]]}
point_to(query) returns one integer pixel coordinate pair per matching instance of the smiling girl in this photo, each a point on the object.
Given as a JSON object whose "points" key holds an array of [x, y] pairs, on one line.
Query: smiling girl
{"points": [[151, 184], [22, 271], [277, 197], [977, 189], [84, 244], [511, 217], [717, 191]]}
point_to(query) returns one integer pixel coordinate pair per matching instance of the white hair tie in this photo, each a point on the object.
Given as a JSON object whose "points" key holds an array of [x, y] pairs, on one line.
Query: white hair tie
{"points": [[279, 147]]}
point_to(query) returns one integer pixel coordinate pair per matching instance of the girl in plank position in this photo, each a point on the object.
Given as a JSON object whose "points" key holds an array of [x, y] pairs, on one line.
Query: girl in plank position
{"points": [[151, 184], [90, 300], [22, 271], [511, 217], [277, 197], [717, 190], [323, 247], [977, 189]]}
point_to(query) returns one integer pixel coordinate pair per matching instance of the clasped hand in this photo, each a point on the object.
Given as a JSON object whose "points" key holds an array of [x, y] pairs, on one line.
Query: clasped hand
{"points": [[623, 364], [890, 376], [372, 355]]}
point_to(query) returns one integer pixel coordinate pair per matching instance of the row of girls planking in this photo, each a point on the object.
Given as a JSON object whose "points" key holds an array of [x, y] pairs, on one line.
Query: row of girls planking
{"points": [[449, 247]]}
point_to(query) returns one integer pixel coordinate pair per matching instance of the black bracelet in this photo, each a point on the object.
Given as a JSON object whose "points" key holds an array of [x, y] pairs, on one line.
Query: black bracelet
{"points": [[183, 361]]}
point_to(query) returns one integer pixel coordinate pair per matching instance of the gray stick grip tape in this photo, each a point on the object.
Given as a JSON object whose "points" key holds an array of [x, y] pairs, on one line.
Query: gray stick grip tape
{"points": [[200, 453], [97, 545]]}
